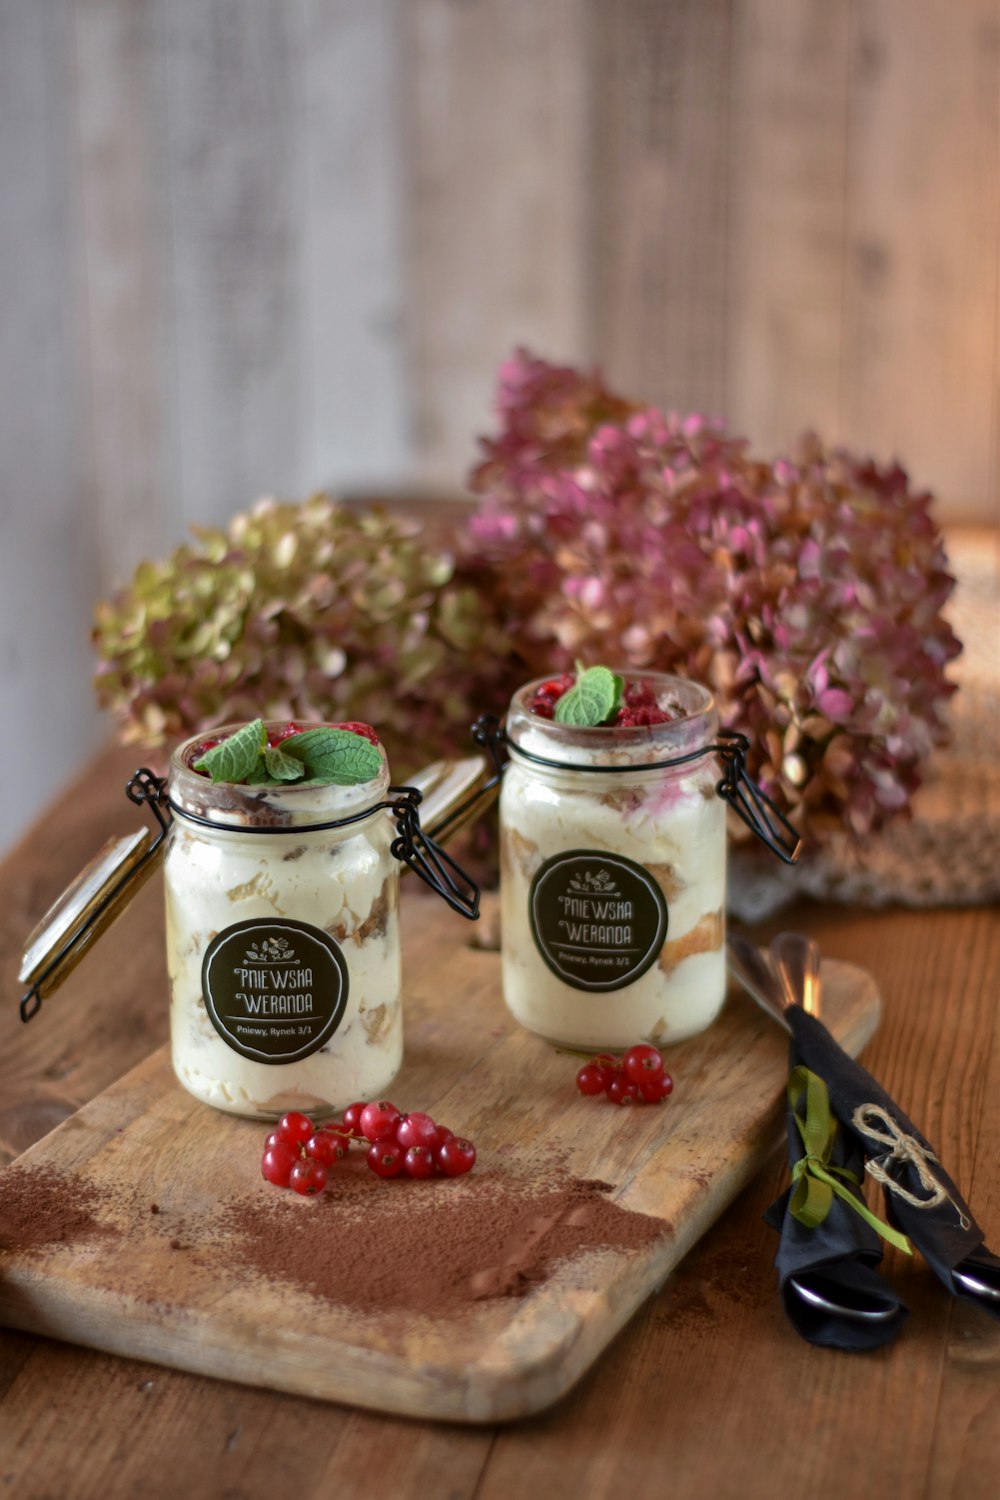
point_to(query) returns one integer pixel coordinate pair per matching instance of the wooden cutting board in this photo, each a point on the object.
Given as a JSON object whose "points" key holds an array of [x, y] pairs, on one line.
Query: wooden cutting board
{"points": [[165, 1285]]}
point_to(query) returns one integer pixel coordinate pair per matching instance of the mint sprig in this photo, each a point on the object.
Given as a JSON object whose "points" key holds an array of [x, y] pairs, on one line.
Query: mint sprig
{"points": [[594, 698], [238, 757], [316, 757], [334, 756]]}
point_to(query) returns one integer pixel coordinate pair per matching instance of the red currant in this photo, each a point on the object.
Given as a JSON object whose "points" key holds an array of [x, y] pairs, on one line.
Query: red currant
{"points": [[276, 1139], [352, 1120], [593, 1078], [295, 1126], [354, 726], [659, 1087], [622, 1090], [385, 1158], [443, 1134], [456, 1157], [419, 1162], [642, 1062], [379, 1121], [326, 1146], [277, 1163], [416, 1129], [307, 1177]]}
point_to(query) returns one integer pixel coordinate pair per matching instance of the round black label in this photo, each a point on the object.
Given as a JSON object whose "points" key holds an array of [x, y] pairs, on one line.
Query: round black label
{"points": [[598, 920], [275, 991]]}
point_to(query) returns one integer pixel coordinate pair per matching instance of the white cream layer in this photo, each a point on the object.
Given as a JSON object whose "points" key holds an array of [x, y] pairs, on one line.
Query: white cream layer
{"points": [[674, 826], [213, 882]]}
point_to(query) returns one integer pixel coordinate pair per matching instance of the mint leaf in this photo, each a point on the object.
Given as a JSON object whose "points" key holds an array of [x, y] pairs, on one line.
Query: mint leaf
{"points": [[336, 756], [238, 757], [594, 698], [282, 767]]}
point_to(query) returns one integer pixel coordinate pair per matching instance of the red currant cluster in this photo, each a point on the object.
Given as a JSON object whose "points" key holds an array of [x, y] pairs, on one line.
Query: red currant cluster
{"points": [[639, 704], [299, 1154], [639, 1074]]}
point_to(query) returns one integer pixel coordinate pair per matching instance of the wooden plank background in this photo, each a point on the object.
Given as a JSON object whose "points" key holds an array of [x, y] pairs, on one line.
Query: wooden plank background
{"points": [[256, 246]]}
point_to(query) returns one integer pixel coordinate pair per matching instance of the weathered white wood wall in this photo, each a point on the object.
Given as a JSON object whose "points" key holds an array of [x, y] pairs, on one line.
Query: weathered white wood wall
{"points": [[268, 245]]}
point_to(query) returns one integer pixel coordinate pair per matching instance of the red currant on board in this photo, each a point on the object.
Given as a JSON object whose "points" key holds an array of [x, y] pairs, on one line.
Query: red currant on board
{"points": [[593, 1078], [416, 1129], [419, 1162], [379, 1120], [308, 1177], [456, 1157], [385, 1158], [295, 1126], [642, 1062], [277, 1163], [442, 1134], [622, 1090], [326, 1146], [657, 1088], [352, 1119]]}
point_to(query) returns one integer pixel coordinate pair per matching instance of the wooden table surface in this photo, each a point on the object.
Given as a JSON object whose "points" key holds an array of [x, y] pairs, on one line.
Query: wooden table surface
{"points": [[706, 1393]]}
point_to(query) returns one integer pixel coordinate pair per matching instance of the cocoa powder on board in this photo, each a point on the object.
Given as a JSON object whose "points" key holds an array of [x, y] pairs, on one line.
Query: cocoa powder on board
{"points": [[41, 1206], [427, 1246]]}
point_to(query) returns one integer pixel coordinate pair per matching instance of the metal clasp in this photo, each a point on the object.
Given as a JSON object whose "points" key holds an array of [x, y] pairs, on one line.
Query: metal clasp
{"points": [[96, 897], [750, 803]]}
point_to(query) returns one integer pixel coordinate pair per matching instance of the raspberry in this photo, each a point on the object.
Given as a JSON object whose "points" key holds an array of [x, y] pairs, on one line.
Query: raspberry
{"points": [[354, 726], [278, 736]]}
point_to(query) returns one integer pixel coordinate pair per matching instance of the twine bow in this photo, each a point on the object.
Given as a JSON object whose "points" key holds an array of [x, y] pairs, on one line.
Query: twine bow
{"points": [[815, 1179], [908, 1150]]}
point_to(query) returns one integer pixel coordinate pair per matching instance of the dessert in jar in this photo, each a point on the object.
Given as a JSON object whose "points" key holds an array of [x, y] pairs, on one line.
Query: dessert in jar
{"points": [[613, 860], [282, 920]]}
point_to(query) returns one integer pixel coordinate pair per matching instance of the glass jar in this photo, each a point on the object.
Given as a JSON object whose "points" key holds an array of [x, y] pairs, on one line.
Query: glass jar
{"points": [[613, 874], [282, 942]]}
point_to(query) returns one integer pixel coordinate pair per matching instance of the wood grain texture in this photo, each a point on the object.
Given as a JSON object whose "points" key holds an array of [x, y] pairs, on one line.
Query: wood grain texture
{"points": [[786, 226], [659, 240], [919, 370], [48, 561], [495, 1359], [126, 239], [702, 1385], [495, 162]]}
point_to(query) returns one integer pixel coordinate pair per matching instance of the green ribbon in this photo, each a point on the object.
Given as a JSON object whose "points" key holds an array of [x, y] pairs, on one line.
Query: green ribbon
{"points": [[815, 1179]]}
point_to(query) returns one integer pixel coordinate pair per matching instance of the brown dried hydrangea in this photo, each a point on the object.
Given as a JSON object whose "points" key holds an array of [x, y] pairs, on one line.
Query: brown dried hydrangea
{"points": [[316, 611]]}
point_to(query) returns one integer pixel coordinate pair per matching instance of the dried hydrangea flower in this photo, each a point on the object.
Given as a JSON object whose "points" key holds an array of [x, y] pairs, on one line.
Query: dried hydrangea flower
{"points": [[312, 611], [807, 591]]}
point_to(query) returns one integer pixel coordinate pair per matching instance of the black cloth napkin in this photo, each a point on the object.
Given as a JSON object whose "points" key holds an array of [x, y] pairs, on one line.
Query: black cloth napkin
{"points": [[835, 1259], [920, 1198]]}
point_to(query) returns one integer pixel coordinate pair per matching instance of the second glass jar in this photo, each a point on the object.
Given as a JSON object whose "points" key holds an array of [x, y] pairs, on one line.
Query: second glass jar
{"points": [[613, 875]]}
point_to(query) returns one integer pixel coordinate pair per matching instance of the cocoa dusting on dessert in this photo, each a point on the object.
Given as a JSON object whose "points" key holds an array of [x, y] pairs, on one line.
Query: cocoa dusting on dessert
{"points": [[705, 937], [375, 1022], [432, 1247], [518, 854], [377, 919], [40, 1206]]}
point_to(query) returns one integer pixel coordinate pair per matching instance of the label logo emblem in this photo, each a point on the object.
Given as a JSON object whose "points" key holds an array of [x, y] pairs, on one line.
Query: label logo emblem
{"points": [[598, 920], [274, 991]]}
